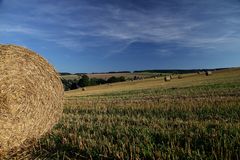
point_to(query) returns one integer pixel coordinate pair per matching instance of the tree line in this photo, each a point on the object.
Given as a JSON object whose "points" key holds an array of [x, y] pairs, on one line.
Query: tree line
{"points": [[86, 81]]}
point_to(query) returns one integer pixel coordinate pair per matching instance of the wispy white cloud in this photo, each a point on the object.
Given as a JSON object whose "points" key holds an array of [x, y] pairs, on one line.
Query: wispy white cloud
{"points": [[22, 30], [164, 53], [85, 25]]}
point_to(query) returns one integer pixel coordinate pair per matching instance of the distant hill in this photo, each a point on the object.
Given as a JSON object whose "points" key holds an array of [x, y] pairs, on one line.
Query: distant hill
{"points": [[65, 73], [177, 71], [173, 71]]}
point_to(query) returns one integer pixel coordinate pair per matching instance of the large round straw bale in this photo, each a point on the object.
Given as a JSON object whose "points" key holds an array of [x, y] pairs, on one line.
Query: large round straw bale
{"points": [[31, 96]]}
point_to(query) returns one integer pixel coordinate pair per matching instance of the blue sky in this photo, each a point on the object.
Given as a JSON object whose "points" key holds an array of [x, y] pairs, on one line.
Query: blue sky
{"points": [[112, 35]]}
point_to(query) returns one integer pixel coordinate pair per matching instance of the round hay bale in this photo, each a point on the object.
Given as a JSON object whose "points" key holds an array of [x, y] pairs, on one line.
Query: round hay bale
{"points": [[180, 76], [208, 73], [167, 78], [31, 96], [83, 89]]}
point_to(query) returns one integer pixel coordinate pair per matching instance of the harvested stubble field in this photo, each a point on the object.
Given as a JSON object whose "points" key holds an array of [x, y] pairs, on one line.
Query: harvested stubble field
{"points": [[197, 117]]}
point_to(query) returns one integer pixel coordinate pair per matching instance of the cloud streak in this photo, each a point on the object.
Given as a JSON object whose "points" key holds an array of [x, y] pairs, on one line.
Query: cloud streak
{"points": [[80, 25]]}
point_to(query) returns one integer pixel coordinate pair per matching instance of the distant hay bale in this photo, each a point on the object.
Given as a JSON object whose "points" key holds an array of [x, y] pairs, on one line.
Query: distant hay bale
{"points": [[167, 78], [31, 96], [208, 73], [180, 77], [83, 89]]}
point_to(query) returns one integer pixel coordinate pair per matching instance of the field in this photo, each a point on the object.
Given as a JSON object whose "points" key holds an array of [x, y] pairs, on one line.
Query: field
{"points": [[108, 75], [196, 117]]}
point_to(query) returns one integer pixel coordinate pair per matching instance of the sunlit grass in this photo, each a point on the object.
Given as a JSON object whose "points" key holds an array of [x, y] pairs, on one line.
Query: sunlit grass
{"points": [[179, 121]]}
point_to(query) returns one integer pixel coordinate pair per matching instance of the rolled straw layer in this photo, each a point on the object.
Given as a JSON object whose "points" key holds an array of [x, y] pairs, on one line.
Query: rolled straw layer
{"points": [[31, 96]]}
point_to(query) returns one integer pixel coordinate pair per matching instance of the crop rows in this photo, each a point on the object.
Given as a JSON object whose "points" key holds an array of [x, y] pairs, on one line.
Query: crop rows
{"points": [[201, 122]]}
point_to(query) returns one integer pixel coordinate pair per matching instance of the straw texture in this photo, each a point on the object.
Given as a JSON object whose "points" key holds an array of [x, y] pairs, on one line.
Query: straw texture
{"points": [[31, 96]]}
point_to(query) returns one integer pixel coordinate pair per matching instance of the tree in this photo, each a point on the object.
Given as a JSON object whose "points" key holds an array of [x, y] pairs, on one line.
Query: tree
{"points": [[121, 79], [74, 86], [96, 81], [112, 79], [116, 79], [84, 81]]}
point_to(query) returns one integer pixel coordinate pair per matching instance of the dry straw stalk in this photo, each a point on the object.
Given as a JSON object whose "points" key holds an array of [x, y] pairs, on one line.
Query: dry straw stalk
{"points": [[31, 96]]}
